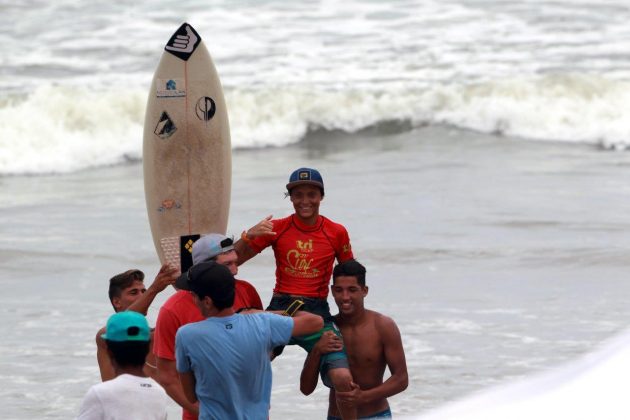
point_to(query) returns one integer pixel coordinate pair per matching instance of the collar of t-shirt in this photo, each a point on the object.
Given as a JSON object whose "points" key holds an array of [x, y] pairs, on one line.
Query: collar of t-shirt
{"points": [[307, 228]]}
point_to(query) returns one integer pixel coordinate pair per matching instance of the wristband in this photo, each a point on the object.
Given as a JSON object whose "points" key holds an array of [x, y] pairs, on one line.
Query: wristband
{"points": [[244, 237]]}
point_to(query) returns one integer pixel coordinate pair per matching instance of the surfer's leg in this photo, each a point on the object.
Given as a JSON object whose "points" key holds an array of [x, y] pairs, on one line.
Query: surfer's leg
{"points": [[341, 380]]}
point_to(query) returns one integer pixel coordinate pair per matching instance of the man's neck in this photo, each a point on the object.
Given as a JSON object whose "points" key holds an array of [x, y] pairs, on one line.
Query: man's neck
{"points": [[222, 313], [311, 221], [130, 370], [354, 319]]}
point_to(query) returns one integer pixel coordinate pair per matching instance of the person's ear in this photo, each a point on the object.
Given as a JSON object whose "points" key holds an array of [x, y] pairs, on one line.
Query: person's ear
{"points": [[116, 303]]}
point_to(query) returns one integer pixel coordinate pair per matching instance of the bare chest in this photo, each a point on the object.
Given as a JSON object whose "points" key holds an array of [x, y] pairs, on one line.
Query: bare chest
{"points": [[363, 345]]}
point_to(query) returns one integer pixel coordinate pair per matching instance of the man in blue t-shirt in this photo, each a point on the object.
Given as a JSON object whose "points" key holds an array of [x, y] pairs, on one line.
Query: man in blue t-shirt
{"points": [[223, 361]]}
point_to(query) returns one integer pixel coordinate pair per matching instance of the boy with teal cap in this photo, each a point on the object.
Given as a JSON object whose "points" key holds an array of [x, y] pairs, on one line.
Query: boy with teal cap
{"points": [[131, 394]]}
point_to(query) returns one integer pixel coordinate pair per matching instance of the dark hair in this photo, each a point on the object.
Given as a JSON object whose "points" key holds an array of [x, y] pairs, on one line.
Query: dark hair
{"points": [[129, 353], [350, 268], [220, 302], [121, 281]]}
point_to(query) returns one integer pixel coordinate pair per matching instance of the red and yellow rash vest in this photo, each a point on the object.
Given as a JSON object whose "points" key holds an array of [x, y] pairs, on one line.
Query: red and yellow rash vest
{"points": [[305, 254]]}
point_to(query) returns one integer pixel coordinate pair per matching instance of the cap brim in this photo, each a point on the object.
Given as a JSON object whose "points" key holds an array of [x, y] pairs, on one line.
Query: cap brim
{"points": [[296, 183], [182, 281]]}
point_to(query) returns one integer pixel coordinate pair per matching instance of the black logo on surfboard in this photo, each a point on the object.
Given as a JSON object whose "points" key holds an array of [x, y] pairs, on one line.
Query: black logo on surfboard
{"points": [[183, 42], [165, 127], [185, 251], [205, 108]]}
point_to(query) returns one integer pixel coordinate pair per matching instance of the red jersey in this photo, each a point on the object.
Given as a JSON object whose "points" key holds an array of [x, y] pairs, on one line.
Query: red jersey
{"points": [[180, 309], [305, 254]]}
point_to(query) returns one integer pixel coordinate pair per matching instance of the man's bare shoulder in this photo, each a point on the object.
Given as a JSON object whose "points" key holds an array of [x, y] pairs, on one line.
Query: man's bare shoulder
{"points": [[99, 339], [379, 318], [383, 323]]}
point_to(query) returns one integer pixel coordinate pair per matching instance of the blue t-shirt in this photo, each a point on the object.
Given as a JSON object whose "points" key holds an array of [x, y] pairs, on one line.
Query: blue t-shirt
{"points": [[230, 360]]}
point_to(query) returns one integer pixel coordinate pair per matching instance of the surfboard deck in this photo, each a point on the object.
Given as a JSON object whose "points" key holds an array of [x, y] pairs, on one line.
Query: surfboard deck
{"points": [[186, 149]]}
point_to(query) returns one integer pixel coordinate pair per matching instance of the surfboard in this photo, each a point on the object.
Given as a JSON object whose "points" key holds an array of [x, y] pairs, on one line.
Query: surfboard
{"points": [[186, 149]]}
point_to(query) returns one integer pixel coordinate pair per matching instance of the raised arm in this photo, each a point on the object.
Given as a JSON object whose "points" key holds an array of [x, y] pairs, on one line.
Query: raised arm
{"points": [[306, 323], [242, 247], [167, 275]]}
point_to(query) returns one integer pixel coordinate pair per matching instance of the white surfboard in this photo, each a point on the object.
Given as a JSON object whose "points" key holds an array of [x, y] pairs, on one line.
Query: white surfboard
{"points": [[186, 149]]}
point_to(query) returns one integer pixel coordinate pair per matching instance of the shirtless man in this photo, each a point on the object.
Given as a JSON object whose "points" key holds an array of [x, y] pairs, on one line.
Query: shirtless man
{"points": [[127, 292], [372, 342]]}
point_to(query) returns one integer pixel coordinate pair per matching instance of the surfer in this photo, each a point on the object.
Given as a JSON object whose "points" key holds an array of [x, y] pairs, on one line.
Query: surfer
{"points": [[305, 246], [180, 309], [372, 342], [223, 361], [130, 394], [127, 292]]}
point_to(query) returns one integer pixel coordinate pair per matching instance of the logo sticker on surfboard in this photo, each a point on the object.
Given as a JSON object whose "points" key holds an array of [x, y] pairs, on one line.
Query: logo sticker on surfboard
{"points": [[183, 42], [170, 88], [169, 204], [205, 108], [165, 126]]}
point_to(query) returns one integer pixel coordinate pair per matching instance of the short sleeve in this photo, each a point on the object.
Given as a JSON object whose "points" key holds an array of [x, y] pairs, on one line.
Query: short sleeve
{"points": [[164, 334], [181, 360], [91, 408], [344, 247], [280, 328]]}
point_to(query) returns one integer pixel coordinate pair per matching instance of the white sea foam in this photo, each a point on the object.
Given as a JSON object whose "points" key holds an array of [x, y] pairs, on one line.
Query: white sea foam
{"points": [[66, 128], [524, 69]]}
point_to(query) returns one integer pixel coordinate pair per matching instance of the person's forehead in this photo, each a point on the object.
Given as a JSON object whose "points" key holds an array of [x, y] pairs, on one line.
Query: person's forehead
{"points": [[135, 285], [226, 256], [304, 188], [346, 281]]}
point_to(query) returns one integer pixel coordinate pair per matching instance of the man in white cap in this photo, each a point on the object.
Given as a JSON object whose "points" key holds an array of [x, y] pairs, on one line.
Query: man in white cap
{"points": [[180, 309]]}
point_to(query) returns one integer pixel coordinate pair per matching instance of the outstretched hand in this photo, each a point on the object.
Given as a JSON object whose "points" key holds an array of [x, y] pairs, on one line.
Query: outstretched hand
{"points": [[262, 228], [166, 276]]}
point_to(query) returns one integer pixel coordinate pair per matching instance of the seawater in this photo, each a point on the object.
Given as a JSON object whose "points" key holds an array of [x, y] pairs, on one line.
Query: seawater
{"points": [[496, 257], [74, 75]]}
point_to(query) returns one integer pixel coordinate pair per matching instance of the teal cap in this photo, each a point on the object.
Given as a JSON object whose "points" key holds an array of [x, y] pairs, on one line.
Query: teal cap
{"points": [[127, 326]]}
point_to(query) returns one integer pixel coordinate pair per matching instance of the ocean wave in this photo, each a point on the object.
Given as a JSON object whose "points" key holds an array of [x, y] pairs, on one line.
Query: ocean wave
{"points": [[58, 129]]}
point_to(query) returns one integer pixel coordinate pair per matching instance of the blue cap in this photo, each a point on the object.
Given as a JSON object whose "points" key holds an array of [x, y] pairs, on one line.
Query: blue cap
{"points": [[127, 326], [305, 176]]}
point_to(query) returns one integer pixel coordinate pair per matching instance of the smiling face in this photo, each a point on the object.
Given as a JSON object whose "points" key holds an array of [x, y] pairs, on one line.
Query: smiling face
{"points": [[306, 199], [128, 295], [348, 295]]}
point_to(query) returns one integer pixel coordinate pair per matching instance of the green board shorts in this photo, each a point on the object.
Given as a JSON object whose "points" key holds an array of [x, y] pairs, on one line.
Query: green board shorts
{"points": [[337, 359]]}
